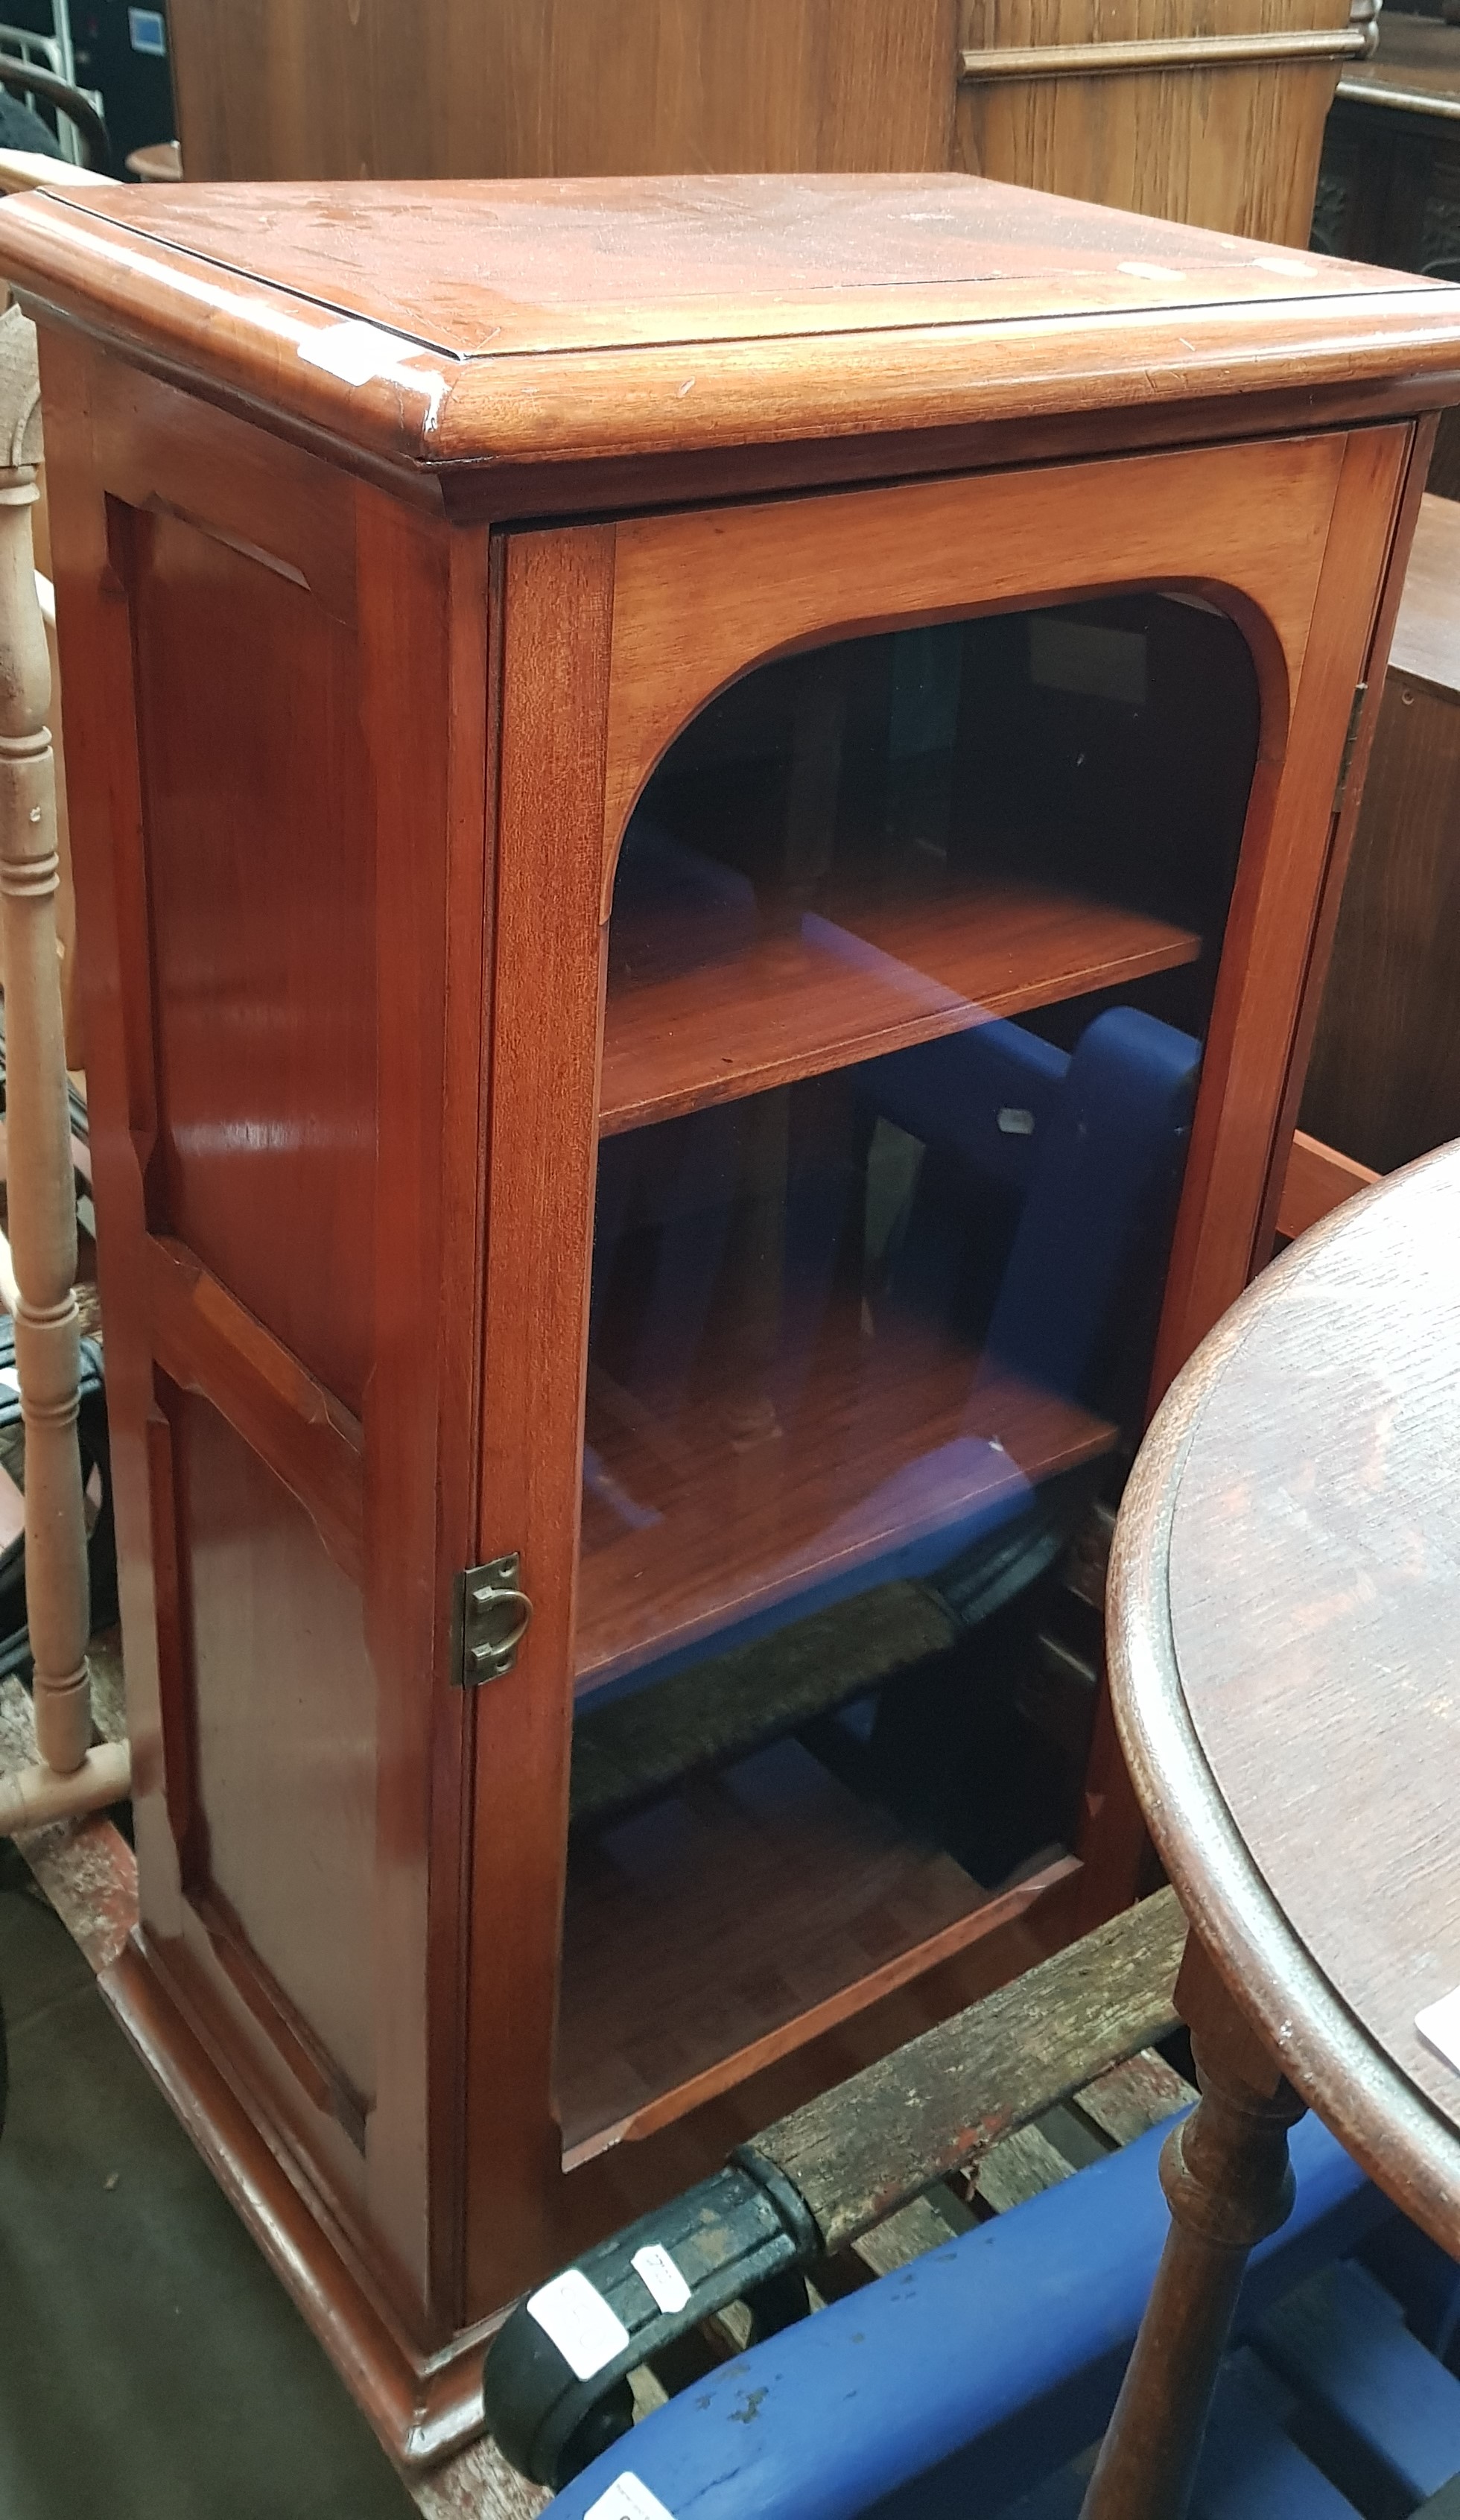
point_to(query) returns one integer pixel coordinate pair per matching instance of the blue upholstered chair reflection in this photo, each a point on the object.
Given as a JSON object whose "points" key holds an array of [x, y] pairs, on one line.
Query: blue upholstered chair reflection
{"points": [[985, 1203]]}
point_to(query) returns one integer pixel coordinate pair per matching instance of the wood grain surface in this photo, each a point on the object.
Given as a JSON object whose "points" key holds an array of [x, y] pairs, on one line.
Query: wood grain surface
{"points": [[734, 1532], [293, 635], [952, 2094], [1318, 1180], [485, 89], [1283, 1608], [797, 1005], [636, 352], [1234, 148], [699, 597], [671, 1990]]}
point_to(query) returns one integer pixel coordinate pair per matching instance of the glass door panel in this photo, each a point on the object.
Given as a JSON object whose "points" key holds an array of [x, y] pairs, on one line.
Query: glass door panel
{"points": [[912, 952]]}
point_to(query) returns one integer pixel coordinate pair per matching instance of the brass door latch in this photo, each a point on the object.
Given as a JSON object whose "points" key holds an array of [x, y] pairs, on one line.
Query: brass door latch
{"points": [[492, 1616]]}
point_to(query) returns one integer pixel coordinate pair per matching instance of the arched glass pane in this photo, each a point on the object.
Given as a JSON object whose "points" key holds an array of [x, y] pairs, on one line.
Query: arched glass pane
{"points": [[912, 953]]}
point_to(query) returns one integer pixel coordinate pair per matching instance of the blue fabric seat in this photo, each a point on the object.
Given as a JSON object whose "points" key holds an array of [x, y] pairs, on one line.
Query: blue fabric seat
{"points": [[968, 2379]]}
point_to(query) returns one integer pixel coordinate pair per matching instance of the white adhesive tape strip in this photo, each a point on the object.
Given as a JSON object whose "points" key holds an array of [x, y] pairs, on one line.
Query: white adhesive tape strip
{"points": [[627, 2498], [585, 2330], [357, 352]]}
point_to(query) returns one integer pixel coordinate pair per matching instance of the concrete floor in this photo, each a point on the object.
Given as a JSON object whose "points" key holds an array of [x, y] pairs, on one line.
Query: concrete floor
{"points": [[151, 2365]]}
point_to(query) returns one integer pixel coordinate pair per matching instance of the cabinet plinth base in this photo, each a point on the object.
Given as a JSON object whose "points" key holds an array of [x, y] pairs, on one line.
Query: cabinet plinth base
{"points": [[422, 2407]]}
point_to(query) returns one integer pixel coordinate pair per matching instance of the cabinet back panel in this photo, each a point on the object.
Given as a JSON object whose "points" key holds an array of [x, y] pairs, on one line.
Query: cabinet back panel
{"points": [[255, 804]]}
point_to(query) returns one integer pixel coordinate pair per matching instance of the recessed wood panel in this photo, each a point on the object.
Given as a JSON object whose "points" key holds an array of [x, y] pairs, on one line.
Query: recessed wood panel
{"points": [[259, 874], [284, 1732]]}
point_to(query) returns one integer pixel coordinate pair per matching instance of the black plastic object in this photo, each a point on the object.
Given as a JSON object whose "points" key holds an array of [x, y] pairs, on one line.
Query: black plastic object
{"points": [[744, 2228]]}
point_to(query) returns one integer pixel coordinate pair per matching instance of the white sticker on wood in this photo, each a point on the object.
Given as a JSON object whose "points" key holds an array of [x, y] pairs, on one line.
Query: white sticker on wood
{"points": [[658, 2272], [585, 2330], [359, 353], [1439, 2025], [627, 2498]]}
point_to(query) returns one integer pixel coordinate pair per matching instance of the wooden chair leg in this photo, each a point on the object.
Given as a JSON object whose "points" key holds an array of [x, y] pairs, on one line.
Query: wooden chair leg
{"points": [[1228, 2183]]}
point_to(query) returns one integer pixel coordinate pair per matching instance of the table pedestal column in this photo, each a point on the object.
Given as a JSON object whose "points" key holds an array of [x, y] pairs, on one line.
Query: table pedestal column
{"points": [[1228, 2183]]}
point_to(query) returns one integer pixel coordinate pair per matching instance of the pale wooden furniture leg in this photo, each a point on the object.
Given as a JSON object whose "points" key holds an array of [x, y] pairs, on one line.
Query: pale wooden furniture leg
{"points": [[70, 1777], [1228, 2183]]}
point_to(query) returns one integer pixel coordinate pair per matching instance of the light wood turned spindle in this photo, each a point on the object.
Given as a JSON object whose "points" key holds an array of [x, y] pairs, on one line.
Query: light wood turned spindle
{"points": [[70, 1777]]}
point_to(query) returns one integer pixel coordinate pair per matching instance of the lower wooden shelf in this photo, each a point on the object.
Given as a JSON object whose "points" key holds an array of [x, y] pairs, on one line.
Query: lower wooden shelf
{"points": [[725, 1530], [735, 1921]]}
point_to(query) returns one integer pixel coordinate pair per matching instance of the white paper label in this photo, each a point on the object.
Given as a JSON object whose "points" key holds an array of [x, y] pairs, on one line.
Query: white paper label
{"points": [[627, 2500], [357, 352], [585, 2330], [659, 2274], [1439, 2024]]}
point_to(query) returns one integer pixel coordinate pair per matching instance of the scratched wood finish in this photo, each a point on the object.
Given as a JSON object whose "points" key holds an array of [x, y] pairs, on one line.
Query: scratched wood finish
{"points": [[1282, 1648], [895, 305], [1384, 1082], [475, 705], [400, 90], [1234, 148]]}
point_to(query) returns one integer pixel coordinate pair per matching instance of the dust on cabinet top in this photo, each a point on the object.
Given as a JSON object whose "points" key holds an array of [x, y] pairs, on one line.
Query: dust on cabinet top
{"points": [[530, 324]]}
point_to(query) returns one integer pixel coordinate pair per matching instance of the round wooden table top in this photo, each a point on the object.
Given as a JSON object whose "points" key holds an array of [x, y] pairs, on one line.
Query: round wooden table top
{"points": [[1285, 1661]]}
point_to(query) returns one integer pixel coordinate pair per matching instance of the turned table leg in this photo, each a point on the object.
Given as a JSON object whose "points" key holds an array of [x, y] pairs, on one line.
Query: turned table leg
{"points": [[1228, 2183]]}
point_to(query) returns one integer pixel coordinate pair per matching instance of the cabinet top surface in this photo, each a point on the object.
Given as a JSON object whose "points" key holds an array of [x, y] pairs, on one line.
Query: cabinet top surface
{"points": [[455, 322]]}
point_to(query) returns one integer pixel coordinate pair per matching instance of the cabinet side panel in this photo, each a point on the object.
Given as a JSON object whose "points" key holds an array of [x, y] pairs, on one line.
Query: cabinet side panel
{"points": [[256, 841], [284, 1722]]}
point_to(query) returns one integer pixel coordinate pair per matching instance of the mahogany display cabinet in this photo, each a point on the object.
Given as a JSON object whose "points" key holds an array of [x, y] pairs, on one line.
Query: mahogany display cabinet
{"points": [[705, 814]]}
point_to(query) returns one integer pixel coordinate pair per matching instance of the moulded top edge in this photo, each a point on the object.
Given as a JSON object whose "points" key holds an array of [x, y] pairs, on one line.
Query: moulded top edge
{"points": [[479, 322]]}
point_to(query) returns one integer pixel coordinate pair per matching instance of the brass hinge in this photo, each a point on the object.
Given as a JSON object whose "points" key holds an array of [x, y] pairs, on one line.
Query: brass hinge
{"points": [[492, 1618], [1350, 742]]}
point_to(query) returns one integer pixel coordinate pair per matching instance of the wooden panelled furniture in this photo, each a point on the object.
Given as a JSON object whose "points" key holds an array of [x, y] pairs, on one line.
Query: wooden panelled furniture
{"points": [[1283, 1595], [1209, 110], [670, 785], [1384, 1082]]}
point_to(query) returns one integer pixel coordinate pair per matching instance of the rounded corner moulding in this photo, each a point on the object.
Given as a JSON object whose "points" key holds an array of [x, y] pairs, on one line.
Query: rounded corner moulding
{"points": [[572, 385]]}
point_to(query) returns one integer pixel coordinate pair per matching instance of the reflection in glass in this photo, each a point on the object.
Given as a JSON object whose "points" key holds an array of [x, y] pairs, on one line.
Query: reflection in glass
{"points": [[911, 955]]}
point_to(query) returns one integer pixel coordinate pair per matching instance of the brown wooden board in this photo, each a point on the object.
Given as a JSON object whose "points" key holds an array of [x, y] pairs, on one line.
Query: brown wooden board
{"points": [[952, 2094]]}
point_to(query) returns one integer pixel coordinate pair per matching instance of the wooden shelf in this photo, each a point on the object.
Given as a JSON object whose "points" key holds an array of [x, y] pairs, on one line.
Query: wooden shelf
{"points": [[733, 1921], [735, 1530], [869, 975]]}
